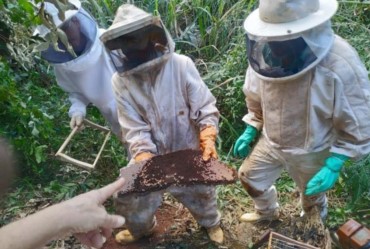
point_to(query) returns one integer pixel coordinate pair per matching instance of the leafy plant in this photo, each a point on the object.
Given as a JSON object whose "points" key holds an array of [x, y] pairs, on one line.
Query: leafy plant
{"points": [[353, 18], [33, 109], [355, 186], [25, 119], [15, 41]]}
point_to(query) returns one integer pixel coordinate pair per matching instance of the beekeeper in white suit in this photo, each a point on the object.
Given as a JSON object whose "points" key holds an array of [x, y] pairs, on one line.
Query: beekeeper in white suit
{"points": [[163, 106], [308, 94], [87, 77]]}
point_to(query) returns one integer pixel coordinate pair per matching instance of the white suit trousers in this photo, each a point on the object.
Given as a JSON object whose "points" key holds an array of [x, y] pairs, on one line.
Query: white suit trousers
{"points": [[264, 165]]}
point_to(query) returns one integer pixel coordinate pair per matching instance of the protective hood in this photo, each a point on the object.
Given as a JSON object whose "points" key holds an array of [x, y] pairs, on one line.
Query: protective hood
{"points": [[87, 60], [288, 57], [276, 18], [137, 40], [80, 29]]}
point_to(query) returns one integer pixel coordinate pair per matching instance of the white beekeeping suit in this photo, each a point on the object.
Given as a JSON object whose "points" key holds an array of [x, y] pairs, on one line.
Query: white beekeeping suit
{"points": [[308, 92], [163, 106], [87, 77]]}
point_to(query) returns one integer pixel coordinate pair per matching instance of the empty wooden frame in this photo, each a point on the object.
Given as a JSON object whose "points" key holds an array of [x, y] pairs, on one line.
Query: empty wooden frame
{"points": [[77, 162]]}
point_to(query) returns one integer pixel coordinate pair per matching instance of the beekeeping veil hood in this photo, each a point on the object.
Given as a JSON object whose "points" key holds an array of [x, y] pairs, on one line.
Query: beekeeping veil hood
{"points": [[286, 38], [137, 40], [80, 28]]}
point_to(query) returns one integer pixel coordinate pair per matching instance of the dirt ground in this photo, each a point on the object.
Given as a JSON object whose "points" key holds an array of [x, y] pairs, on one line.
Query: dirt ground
{"points": [[177, 229]]}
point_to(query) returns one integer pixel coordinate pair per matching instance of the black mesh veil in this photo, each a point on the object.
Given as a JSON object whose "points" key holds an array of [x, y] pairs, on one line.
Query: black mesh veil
{"points": [[276, 59], [81, 30]]}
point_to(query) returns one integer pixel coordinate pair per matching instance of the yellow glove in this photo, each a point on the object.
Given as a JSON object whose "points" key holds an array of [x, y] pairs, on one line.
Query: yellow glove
{"points": [[143, 156], [207, 139]]}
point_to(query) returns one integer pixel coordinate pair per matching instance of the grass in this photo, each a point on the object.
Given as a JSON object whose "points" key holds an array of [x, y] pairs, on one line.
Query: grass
{"points": [[209, 31]]}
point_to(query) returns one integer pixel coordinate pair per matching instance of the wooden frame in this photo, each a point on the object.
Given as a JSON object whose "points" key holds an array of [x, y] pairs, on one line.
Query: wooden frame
{"points": [[74, 161]]}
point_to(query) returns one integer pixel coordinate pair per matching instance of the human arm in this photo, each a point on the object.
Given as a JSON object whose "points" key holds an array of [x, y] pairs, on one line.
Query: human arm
{"points": [[71, 86], [136, 131], [202, 110], [77, 110], [351, 113], [84, 216], [350, 117], [254, 117]]}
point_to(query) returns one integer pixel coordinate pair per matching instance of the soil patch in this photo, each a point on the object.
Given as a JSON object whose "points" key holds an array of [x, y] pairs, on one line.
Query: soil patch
{"points": [[176, 228], [308, 229]]}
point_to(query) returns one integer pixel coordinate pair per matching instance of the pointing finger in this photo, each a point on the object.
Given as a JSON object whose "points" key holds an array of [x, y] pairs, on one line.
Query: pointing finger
{"points": [[109, 190]]}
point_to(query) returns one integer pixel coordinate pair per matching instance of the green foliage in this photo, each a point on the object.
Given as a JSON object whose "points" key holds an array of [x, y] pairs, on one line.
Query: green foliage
{"points": [[33, 111], [355, 183], [352, 22], [356, 178], [15, 41], [26, 119], [225, 80], [102, 11], [20, 11]]}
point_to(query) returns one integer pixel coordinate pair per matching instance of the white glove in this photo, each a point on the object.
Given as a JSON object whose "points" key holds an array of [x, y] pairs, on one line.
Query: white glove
{"points": [[77, 120]]}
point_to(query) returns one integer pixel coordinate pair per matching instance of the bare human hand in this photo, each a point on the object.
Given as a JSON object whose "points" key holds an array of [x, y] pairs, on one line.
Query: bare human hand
{"points": [[86, 217]]}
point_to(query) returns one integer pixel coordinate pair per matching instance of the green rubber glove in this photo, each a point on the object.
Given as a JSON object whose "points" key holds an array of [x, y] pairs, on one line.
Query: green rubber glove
{"points": [[327, 176], [241, 147]]}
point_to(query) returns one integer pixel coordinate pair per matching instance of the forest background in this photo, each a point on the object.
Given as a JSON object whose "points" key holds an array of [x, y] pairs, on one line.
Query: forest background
{"points": [[33, 109]]}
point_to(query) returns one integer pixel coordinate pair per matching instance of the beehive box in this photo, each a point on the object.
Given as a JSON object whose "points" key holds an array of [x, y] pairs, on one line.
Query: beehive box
{"points": [[278, 241]]}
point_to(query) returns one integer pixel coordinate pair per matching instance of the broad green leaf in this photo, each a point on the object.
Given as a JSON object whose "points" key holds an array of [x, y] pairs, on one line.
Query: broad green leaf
{"points": [[35, 131], [41, 47], [39, 153], [26, 6]]}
